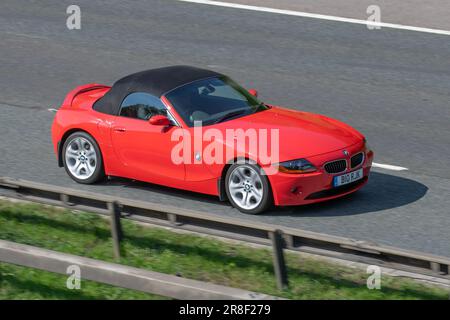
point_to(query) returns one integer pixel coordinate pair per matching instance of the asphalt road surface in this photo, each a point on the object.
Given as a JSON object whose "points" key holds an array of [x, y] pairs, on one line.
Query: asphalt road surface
{"points": [[393, 85]]}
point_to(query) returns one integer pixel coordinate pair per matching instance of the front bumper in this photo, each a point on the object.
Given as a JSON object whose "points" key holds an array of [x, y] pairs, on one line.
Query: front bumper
{"points": [[297, 189]]}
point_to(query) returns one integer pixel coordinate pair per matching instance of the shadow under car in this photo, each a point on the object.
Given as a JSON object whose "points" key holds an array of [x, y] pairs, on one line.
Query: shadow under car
{"points": [[382, 192]]}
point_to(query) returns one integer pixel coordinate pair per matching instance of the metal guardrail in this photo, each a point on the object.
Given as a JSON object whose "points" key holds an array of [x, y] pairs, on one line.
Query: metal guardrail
{"points": [[122, 276], [279, 237]]}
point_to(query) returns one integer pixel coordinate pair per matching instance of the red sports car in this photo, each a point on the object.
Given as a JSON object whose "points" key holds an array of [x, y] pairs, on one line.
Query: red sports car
{"points": [[198, 130]]}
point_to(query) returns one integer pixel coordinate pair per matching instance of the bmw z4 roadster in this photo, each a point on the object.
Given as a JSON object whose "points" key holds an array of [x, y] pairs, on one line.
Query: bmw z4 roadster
{"points": [[198, 130]]}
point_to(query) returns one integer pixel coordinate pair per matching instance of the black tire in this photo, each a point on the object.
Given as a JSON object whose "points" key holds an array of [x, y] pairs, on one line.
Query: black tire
{"points": [[267, 198], [99, 173]]}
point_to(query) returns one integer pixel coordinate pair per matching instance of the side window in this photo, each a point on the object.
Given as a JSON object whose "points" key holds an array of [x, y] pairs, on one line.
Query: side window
{"points": [[142, 106]]}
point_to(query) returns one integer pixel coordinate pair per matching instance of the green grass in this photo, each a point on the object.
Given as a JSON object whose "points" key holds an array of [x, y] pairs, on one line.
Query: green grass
{"points": [[31, 284], [186, 255]]}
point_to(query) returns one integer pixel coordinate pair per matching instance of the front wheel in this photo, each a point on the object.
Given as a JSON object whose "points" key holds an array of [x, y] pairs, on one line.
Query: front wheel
{"points": [[82, 158], [247, 189]]}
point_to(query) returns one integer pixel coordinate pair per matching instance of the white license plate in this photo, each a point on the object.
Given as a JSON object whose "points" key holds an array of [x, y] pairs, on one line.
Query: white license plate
{"points": [[348, 178]]}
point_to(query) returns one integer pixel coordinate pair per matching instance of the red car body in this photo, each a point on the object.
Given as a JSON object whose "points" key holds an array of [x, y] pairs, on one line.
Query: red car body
{"points": [[134, 149]]}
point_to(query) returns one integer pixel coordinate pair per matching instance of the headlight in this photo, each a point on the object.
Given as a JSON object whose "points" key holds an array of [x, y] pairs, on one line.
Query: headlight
{"points": [[296, 166]]}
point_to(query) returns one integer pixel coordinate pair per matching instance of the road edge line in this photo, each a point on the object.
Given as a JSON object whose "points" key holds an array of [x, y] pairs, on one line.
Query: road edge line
{"points": [[319, 16]]}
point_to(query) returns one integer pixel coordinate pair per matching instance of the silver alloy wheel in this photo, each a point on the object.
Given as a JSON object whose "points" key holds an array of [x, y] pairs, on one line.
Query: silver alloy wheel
{"points": [[81, 158], [245, 187]]}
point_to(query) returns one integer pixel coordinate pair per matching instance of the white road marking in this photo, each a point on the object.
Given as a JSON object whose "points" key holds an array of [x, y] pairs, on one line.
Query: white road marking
{"points": [[318, 16], [388, 167], [52, 110], [25, 35]]}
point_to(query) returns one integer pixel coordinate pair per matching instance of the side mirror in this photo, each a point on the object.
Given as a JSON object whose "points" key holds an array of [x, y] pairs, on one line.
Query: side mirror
{"points": [[159, 120], [253, 92]]}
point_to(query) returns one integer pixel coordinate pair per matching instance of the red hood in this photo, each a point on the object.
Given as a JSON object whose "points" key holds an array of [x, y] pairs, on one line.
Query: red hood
{"points": [[302, 134]]}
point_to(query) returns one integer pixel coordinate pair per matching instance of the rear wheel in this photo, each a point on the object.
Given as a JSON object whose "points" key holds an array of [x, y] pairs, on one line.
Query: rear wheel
{"points": [[82, 158], [247, 189]]}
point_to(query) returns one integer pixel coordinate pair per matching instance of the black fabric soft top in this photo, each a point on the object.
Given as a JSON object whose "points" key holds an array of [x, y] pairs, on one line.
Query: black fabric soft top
{"points": [[155, 81]]}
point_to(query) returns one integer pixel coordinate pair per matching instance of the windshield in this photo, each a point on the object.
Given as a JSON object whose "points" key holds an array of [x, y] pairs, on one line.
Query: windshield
{"points": [[213, 100]]}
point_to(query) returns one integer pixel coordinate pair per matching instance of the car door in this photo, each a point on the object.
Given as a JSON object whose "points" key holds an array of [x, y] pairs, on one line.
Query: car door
{"points": [[143, 149]]}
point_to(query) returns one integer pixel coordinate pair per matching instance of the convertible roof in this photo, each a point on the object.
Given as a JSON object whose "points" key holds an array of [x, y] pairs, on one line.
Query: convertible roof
{"points": [[155, 81]]}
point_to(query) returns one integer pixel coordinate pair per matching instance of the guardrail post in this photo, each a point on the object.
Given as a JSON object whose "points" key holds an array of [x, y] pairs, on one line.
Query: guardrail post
{"points": [[116, 227], [279, 263], [289, 240], [436, 267], [65, 199], [173, 219]]}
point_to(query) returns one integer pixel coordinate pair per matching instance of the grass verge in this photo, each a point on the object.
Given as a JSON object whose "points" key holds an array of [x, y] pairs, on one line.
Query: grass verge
{"points": [[186, 255]]}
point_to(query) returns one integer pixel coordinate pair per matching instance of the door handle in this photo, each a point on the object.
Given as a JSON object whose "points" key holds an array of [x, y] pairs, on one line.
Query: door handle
{"points": [[119, 129]]}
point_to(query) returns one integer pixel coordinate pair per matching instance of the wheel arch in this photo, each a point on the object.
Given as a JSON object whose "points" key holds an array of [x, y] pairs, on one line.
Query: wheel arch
{"points": [[221, 181], [64, 138]]}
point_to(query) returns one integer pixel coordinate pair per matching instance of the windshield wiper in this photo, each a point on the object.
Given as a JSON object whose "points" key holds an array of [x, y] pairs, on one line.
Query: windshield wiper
{"points": [[229, 115], [261, 107]]}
